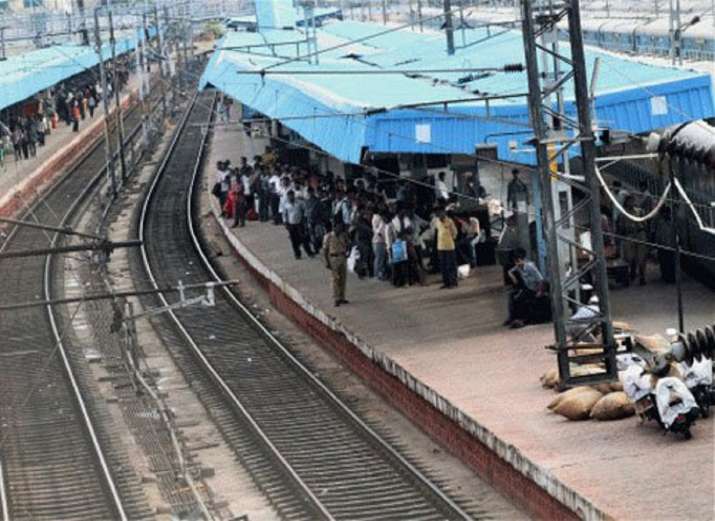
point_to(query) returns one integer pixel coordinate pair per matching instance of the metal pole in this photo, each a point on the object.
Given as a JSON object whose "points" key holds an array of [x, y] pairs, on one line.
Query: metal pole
{"points": [[540, 135], [3, 56], [109, 160], [185, 47], [675, 237], [191, 30], [162, 62], [83, 23], [671, 31], [141, 74], [118, 100], [588, 153], [384, 12], [462, 23], [448, 26], [678, 33], [419, 15]]}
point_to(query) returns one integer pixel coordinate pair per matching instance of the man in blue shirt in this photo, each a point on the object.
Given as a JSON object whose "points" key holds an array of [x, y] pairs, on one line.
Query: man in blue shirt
{"points": [[528, 291]]}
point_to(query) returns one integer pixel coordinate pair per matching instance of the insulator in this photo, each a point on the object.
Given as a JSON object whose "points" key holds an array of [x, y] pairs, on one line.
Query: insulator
{"points": [[710, 334], [692, 344], [702, 345], [693, 141]]}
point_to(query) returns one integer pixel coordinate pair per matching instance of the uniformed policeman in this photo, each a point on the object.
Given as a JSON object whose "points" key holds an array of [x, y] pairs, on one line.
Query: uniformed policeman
{"points": [[335, 251]]}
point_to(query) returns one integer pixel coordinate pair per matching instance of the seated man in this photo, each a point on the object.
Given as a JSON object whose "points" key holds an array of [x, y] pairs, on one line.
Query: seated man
{"points": [[578, 328], [527, 299]]}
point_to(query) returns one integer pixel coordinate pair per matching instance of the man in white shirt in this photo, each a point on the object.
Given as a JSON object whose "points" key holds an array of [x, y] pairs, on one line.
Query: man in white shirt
{"points": [[294, 219], [221, 183], [274, 183], [343, 208], [283, 189], [442, 192], [379, 245], [579, 321]]}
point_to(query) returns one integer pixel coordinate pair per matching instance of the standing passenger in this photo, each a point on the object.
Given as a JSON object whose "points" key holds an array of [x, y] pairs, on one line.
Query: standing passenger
{"points": [[335, 249], [446, 235], [635, 251], [294, 219]]}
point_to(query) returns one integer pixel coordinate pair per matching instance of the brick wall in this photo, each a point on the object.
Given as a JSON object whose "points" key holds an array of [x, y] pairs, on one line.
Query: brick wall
{"points": [[519, 488]]}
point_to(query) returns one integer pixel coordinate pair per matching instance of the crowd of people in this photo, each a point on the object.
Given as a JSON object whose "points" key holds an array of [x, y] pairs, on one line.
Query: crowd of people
{"points": [[70, 104], [398, 233]]}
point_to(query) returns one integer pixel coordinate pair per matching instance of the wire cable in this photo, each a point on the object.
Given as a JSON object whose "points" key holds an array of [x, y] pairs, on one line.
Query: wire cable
{"points": [[635, 218], [698, 219]]}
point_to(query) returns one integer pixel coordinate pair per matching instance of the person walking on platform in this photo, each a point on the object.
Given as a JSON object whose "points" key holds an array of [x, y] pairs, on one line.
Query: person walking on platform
{"points": [[32, 137], [25, 140], [75, 116], [294, 219], [335, 253], [221, 185], [91, 104], [247, 177], [17, 139], [635, 251], [82, 105], [240, 202], [275, 196], [517, 193], [263, 192], [446, 236]]}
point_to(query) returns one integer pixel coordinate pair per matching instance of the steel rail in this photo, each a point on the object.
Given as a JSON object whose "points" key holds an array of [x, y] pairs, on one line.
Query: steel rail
{"points": [[92, 185], [303, 369], [332, 398], [192, 343], [13, 231], [3, 496], [88, 422]]}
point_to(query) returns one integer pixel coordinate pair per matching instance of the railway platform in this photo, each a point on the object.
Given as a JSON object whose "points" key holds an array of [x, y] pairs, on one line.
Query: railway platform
{"points": [[21, 181], [444, 359]]}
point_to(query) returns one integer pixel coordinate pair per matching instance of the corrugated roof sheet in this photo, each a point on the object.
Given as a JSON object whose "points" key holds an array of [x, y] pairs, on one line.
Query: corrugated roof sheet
{"points": [[27, 74], [364, 110]]}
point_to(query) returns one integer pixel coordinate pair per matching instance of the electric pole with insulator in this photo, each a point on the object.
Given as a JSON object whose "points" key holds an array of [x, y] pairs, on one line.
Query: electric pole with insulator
{"points": [[448, 28], [575, 132], [109, 159], [117, 99]]}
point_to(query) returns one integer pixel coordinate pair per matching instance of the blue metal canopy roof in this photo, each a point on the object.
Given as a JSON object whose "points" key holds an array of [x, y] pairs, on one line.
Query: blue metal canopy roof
{"points": [[342, 113], [27, 74]]}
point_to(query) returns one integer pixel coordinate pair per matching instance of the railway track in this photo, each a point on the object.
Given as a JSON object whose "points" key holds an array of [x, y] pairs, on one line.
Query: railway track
{"points": [[57, 461], [307, 451]]}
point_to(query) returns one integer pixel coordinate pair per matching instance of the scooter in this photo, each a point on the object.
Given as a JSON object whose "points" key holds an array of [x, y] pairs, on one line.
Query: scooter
{"points": [[666, 400], [698, 377]]}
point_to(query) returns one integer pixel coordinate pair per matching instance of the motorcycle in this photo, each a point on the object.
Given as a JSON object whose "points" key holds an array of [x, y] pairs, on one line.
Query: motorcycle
{"points": [[698, 377], [665, 399]]}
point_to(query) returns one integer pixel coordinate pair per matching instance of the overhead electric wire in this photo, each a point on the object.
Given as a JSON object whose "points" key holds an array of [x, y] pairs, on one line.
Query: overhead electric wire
{"points": [[698, 219], [635, 218], [329, 72], [362, 39]]}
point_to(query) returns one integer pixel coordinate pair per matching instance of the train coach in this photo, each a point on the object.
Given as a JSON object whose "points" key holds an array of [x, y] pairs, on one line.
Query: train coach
{"points": [[650, 36], [694, 165]]}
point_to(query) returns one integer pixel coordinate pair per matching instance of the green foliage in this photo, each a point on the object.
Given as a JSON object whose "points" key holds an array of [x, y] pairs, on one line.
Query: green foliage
{"points": [[214, 28]]}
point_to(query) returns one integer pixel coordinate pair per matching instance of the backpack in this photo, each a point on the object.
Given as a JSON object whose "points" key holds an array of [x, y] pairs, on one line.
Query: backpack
{"points": [[399, 251]]}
